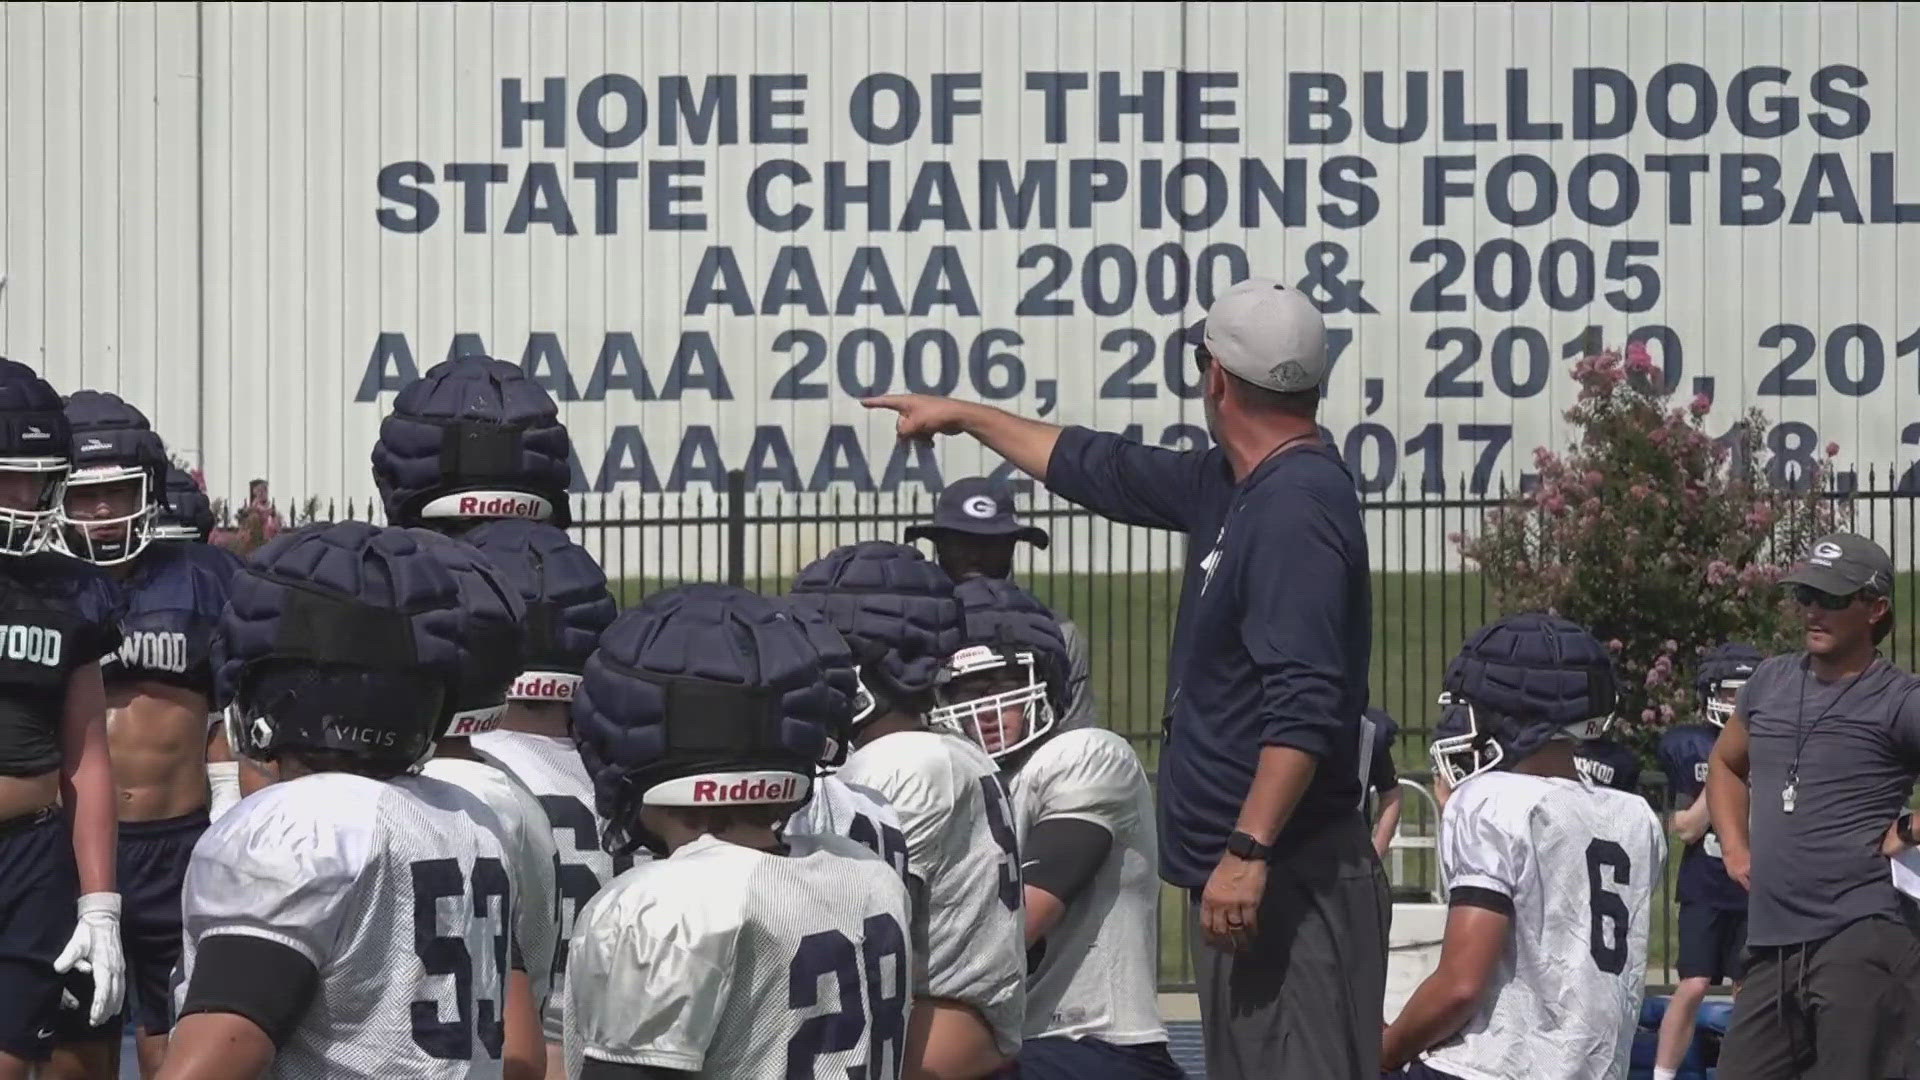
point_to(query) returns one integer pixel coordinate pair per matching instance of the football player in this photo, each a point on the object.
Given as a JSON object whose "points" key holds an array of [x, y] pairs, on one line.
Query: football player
{"points": [[1713, 906], [495, 612], [1550, 876], [840, 808], [899, 617], [1084, 816], [730, 954], [472, 440], [352, 919], [568, 607], [159, 687], [58, 618], [974, 532]]}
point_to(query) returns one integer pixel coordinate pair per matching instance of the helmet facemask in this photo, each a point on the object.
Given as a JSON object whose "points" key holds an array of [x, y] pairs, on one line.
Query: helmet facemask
{"points": [[108, 514], [30, 499], [1720, 700], [996, 698]]}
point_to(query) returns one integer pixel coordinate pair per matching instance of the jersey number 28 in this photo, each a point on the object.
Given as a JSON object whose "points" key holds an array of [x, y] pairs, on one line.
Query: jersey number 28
{"points": [[435, 880], [872, 982], [1607, 934]]}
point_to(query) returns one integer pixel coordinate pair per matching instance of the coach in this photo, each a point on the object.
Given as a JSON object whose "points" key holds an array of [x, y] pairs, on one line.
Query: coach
{"points": [[1817, 758], [1258, 785]]}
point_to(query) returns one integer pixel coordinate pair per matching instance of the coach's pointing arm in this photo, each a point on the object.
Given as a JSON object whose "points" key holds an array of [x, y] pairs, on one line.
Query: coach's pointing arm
{"points": [[1112, 476]]}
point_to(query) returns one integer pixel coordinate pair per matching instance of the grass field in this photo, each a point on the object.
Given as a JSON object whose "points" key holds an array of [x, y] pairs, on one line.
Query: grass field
{"points": [[1419, 622]]}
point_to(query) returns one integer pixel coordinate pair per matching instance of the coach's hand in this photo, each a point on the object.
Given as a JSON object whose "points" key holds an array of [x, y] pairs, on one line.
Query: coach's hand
{"points": [[1739, 866], [923, 416], [1230, 904]]}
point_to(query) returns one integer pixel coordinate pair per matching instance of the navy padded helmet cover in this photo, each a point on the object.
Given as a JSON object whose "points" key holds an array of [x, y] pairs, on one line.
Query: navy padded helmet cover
{"points": [[110, 431], [1534, 668], [33, 422], [408, 463], [999, 613], [896, 610], [381, 568], [565, 592], [492, 610], [1725, 661], [709, 633]]}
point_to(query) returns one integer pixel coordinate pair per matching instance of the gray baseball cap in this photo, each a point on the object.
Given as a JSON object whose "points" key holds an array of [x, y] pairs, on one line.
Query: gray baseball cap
{"points": [[1267, 334], [1843, 564]]}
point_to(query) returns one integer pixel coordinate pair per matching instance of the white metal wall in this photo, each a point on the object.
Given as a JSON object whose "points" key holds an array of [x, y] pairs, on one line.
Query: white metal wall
{"points": [[193, 217]]}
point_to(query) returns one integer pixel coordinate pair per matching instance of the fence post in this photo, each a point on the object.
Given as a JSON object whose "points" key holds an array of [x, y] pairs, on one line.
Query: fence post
{"points": [[736, 511]]}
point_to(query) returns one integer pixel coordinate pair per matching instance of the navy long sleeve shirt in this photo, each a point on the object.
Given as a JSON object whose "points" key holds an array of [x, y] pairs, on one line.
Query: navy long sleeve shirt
{"points": [[1273, 639]]}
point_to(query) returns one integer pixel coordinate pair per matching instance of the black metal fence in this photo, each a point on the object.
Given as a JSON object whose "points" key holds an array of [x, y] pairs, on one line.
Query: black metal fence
{"points": [[1122, 585]]}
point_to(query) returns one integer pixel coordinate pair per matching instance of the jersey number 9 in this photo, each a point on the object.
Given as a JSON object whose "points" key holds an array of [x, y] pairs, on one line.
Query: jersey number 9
{"points": [[882, 1004], [1000, 823]]}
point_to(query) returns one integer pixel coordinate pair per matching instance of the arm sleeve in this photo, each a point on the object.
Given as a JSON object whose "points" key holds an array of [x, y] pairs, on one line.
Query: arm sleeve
{"points": [[1293, 623], [1063, 854], [1082, 710], [646, 991], [1478, 851], [263, 981], [1124, 480]]}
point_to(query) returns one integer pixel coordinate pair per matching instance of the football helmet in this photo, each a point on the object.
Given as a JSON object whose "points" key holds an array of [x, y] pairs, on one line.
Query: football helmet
{"points": [[185, 512], [345, 639], [565, 592], [1007, 684], [1725, 668], [702, 696], [898, 614], [113, 447], [473, 439], [1523, 681], [36, 452], [494, 613]]}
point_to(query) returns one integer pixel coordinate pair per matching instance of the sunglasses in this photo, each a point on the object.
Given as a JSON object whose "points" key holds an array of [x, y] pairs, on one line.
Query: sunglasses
{"points": [[1202, 358], [1808, 596]]}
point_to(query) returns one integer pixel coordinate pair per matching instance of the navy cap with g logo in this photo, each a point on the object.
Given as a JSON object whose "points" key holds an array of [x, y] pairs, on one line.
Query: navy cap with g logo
{"points": [[977, 506]]}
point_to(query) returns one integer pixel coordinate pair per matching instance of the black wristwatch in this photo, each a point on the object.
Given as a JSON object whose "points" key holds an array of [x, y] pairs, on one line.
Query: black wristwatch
{"points": [[1246, 847], [1903, 825]]}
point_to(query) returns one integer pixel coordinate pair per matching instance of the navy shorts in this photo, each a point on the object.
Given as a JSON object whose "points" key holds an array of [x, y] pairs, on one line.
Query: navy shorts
{"points": [[38, 889], [1075, 1059], [152, 867], [1713, 943]]}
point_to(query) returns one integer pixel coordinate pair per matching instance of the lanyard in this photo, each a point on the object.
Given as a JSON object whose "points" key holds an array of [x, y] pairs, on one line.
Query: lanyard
{"points": [[1802, 731]]}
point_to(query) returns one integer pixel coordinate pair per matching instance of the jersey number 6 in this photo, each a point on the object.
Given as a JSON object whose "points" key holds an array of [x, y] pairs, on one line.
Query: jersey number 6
{"points": [[1607, 935], [883, 1004]]}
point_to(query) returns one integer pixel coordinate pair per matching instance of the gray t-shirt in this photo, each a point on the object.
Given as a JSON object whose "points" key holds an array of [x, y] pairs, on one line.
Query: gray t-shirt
{"points": [[1819, 869]]}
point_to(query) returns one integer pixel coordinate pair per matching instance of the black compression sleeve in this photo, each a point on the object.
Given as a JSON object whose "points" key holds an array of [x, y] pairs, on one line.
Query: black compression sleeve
{"points": [[1474, 896], [263, 981], [595, 1069], [1062, 855]]}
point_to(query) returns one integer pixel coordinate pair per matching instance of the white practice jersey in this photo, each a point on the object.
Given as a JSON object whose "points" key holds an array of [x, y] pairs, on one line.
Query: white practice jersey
{"points": [[838, 808], [531, 860], [1097, 972], [550, 768], [1579, 864], [398, 893], [962, 848], [726, 962]]}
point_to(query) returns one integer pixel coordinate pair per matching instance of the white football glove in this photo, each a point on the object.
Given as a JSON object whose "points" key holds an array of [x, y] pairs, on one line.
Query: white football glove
{"points": [[95, 949]]}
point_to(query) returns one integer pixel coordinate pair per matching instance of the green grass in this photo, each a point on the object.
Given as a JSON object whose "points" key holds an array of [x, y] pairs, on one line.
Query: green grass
{"points": [[1419, 621]]}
